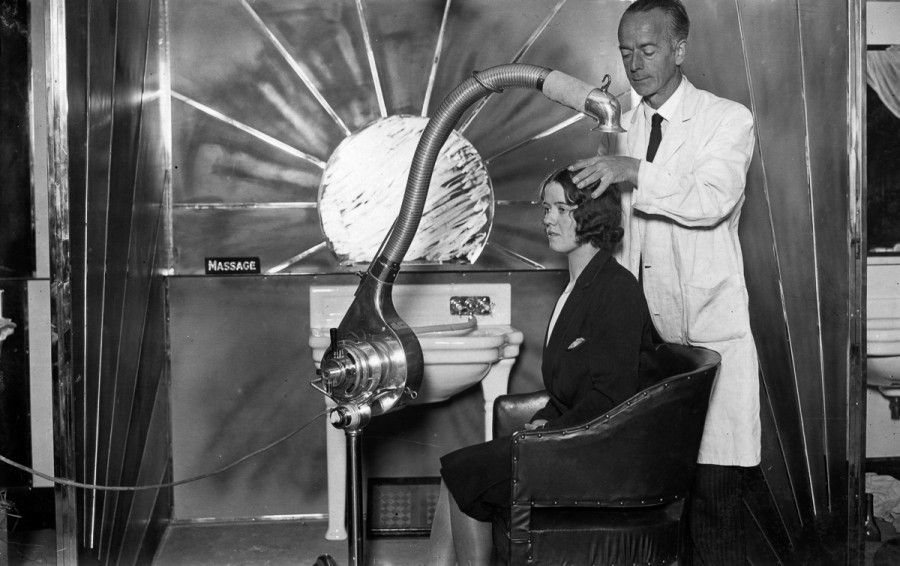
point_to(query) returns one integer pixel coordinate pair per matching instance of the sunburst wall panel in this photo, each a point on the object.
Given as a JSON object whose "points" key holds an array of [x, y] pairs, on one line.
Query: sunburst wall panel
{"points": [[256, 117], [783, 150], [118, 298], [721, 66], [403, 50], [118, 289], [225, 62], [825, 74], [99, 85]]}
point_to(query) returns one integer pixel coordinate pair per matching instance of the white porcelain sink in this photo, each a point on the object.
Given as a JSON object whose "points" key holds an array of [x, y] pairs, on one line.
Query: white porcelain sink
{"points": [[883, 321], [883, 356], [454, 359]]}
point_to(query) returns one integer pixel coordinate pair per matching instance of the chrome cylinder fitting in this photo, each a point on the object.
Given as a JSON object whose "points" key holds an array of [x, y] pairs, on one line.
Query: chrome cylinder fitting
{"points": [[354, 370], [350, 417]]}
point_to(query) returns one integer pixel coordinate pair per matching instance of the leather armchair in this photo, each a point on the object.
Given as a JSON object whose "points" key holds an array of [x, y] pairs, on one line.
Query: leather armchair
{"points": [[611, 491]]}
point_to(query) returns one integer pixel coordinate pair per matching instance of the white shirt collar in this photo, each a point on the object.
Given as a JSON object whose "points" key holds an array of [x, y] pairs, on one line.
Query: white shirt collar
{"points": [[667, 110]]}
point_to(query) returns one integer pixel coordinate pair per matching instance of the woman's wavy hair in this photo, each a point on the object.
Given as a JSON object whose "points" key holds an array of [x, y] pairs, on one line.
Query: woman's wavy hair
{"points": [[597, 220]]}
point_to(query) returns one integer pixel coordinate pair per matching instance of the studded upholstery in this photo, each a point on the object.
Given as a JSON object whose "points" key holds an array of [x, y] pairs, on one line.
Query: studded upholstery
{"points": [[611, 491]]}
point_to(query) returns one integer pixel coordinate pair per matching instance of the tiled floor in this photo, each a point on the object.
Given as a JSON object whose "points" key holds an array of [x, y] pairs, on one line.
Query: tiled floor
{"points": [[276, 543], [270, 544]]}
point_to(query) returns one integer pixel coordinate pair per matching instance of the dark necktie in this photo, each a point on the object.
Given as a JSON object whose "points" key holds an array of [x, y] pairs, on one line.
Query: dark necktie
{"points": [[655, 136], [655, 139]]}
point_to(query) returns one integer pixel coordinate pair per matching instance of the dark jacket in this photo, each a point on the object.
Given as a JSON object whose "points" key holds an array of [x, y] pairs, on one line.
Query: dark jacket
{"points": [[606, 322], [590, 364]]}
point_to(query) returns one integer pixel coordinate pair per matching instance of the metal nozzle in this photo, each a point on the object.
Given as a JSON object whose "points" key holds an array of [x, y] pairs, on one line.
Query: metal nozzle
{"points": [[604, 108]]}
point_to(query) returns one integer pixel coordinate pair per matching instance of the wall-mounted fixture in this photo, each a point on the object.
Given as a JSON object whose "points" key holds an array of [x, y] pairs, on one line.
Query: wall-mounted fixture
{"points": [[465, 306]]}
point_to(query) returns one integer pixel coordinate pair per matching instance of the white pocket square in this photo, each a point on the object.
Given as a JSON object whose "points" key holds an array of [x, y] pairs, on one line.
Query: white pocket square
{"points": [[576, 343]]}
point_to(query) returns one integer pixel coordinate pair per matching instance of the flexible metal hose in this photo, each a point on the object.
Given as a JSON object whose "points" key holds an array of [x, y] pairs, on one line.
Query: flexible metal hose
{"points": [[436, 133]]}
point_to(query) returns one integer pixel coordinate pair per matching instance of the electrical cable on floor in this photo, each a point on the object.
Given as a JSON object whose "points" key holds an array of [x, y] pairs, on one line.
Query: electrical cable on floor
{"points": [[73, 483]]}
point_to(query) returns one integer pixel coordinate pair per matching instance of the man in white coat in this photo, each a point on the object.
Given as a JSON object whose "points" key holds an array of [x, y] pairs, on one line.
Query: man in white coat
{"points": [[687, 152]]}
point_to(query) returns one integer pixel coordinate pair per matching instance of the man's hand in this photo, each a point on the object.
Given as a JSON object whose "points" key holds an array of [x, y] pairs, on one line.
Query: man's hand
{"points": [[608, 169], [535, 424]]}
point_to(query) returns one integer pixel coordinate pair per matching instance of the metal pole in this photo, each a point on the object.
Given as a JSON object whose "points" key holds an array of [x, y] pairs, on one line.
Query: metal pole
{"points": [[355, 535]]}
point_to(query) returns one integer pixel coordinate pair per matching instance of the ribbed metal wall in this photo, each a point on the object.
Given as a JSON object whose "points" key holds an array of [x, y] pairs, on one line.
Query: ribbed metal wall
{"points": [[792, 63], [256, 118], [118, 178]]}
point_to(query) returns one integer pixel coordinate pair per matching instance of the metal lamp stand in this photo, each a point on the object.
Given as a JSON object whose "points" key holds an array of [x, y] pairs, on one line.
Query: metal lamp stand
{"points": [[356, 551], [355, 535]]}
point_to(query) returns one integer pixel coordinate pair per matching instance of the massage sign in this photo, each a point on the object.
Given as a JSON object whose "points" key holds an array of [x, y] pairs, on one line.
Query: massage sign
{"points": [[232, 265]]}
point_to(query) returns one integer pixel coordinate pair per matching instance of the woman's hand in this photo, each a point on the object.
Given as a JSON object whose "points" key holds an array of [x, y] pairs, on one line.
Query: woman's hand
{"points": [[535, 424]]}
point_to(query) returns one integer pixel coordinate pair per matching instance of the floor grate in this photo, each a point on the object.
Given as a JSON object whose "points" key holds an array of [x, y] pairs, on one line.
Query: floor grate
{"points": [[402, 506]]}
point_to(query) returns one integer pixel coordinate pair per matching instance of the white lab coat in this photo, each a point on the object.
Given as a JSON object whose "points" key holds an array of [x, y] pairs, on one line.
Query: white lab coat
{"points": [[683, 220]]}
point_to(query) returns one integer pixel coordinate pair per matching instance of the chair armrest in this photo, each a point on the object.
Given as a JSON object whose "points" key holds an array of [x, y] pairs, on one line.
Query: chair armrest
{"points": [[642, 452], [511, 412]]}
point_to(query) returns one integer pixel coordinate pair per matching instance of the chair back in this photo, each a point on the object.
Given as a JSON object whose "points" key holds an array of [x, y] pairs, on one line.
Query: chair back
{"points": [[641, 453], [668, 360]]}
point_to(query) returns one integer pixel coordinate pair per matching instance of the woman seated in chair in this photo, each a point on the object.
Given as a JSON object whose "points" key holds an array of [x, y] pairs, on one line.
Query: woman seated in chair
{"points": [[590, 364]]}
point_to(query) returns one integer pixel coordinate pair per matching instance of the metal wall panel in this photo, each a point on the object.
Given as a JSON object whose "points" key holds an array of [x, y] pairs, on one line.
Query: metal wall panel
{"points": [[772, 42], [150, 510], [95, 192], [824, 69], [790, 67], [140, 518], [715, 63], [241, 367], [120, 296], [256, 119], [402, 49], [826, 72], [141, 336], [76, 75], [131, 57]]}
